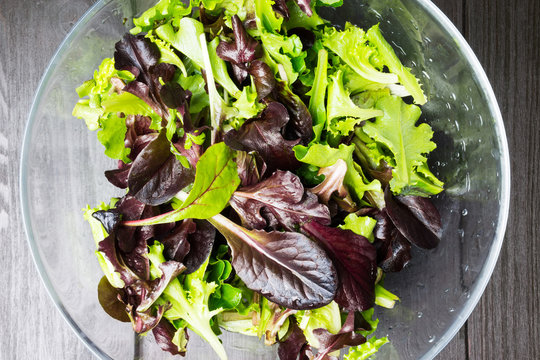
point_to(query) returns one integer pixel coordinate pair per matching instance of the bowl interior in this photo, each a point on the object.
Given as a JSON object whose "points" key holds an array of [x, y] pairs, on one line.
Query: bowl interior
{"points": [[63, 163]]}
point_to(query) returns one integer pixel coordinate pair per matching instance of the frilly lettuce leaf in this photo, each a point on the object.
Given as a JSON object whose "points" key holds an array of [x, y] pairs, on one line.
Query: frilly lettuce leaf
{"points": [[397, 131], [112, 135], [163, 11], [352, 47], [340, 106], [388, 57], [284, 55], [327, 317]]}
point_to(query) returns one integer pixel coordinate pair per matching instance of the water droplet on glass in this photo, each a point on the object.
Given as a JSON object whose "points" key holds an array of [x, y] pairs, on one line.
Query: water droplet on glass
{"points": [[464, 212], [431, 338], [451, 310], [419, 314]]}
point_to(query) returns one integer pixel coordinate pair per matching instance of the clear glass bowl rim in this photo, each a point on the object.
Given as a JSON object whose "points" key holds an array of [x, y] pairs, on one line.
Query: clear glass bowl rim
{"points": [[496, 245]]}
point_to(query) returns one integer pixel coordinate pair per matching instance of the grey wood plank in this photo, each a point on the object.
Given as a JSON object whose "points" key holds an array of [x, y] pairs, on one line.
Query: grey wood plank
{"points": [[506, 39], [32, 328]]}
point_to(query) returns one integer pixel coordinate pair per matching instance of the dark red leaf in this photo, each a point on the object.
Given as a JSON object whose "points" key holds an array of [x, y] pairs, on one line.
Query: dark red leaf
{"points": [[423, 209], [164, 334], [239, 53], [291, 348], [283, 197], [119, 177], [285, 267], [345, 337], [412, 229], [263, 134], [355, 260], [156, 175], [251, 167], [263, 77], [301, 125]]}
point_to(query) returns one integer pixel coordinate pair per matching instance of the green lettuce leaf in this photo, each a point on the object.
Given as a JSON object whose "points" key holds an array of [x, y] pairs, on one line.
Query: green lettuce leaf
{"points": [[361, 225], [388, 57], [186, 40], [367, 349], [327, 317], [340, 105], [317, 95], [188, 300], [384, 297], [352, 47], [99, 233], [284, 55], [265, 16], [163, 11], [409, 143], [323, 155], [112, 135]]}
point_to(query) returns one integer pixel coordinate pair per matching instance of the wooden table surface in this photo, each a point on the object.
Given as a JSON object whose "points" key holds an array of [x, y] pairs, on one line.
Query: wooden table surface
{"points": [[505, 35]]}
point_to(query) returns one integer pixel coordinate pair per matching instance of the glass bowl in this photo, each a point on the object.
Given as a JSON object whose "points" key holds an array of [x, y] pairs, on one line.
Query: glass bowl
{"points": [[62, 170]]}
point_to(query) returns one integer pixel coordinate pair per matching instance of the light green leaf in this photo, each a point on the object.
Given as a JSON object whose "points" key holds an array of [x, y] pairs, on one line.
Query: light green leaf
{"points": [[323, 155], [340, 105], [317, 94], [409, 143], [389, 58], [367, 349], [112, 135], [352, 47], [127, 103], [163, 11], [265, 16], [327, 317], [361, 225]]}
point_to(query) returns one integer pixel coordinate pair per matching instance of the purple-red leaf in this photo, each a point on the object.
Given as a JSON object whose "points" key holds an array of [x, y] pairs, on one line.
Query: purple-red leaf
{"points": [[251, 167], [164, 334], [304, 5], [280, 6], [239, 53], [292, 348], [280, 199], [108, 299], [119, 177], [136, 54], [397, 254], [355, 260], [169, 271], [156, 175], [285, 267], [423, 209], [301, 124], [408, 224], [263, 134], [345, 337], [263, 78]]}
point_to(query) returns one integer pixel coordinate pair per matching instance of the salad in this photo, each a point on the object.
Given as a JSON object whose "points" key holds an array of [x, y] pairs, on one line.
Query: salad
{"points": [[274, 171]]}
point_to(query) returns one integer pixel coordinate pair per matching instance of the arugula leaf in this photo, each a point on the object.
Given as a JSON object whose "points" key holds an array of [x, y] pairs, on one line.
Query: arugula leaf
{"points": [[397, 131], [324, 155], [388, 57], [216, 179]]}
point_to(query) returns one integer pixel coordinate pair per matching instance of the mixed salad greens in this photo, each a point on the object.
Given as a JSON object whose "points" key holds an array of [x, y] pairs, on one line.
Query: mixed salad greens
{"points": [[274, 170]]}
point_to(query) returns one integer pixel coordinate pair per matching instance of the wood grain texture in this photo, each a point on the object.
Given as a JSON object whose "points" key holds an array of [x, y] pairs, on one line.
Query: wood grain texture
{"points": [[506, 39], [505, 36]]}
